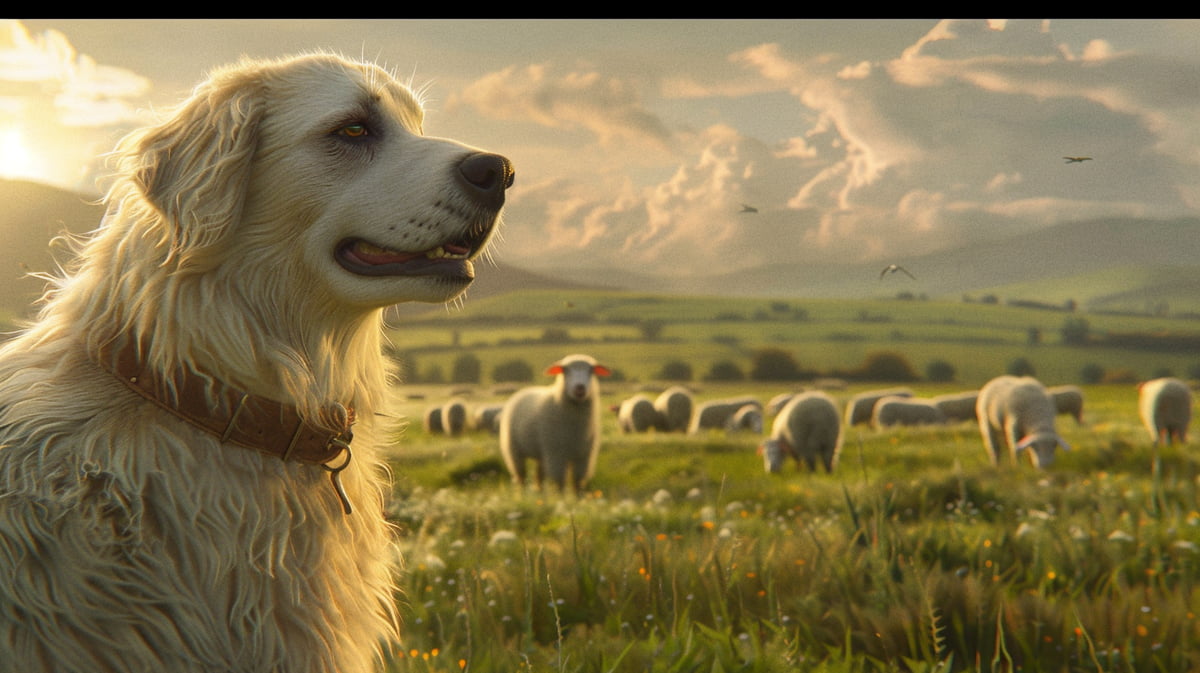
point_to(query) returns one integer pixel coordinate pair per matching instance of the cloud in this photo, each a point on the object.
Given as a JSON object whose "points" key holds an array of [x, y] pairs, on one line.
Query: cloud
{"points": [[66, 108], [606, 107], [957, 137]]}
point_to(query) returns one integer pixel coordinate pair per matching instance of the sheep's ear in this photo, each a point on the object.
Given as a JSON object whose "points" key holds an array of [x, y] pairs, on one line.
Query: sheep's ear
{"points": [[1024, 443], [554, 369], [601, 370], [195, 167], [1063, 443]]}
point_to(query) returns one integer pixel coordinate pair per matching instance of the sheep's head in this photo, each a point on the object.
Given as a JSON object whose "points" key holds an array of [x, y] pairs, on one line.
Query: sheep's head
{"points": [[1043, 446], [576, 374], [772, 453]]}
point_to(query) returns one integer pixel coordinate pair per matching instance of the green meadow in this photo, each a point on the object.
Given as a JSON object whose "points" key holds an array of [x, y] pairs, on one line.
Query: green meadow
{"points": [[916, 554]]}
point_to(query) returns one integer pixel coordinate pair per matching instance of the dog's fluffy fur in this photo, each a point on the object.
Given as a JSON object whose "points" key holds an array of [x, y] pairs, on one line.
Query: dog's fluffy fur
{"points": [[133, 542]]}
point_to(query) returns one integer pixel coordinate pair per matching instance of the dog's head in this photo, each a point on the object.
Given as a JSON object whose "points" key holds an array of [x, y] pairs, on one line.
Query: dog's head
{"points": [[316, 168]]}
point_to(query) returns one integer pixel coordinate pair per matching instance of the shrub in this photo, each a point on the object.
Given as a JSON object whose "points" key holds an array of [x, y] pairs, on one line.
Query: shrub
{"points": [[675, 370], [1021, 367], [725, 370], [886, 366], [940, 371], [512, 371], [467, 369], [1091, 373], [775, 364]]}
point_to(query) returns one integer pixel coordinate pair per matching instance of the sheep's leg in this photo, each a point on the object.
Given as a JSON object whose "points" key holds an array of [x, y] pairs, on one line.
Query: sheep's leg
{"points": [[992, 443]]}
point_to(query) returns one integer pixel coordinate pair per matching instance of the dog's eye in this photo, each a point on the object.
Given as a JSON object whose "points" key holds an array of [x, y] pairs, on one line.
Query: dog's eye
{"points": [[355, 130]]}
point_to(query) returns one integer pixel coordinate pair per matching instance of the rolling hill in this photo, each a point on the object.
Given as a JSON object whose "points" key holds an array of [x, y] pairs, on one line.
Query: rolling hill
{"points": [[1115, 264], [1111, 264]]}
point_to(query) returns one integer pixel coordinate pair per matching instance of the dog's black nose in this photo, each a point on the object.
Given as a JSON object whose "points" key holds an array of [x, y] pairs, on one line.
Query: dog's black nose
{"points": [[485, 177]]}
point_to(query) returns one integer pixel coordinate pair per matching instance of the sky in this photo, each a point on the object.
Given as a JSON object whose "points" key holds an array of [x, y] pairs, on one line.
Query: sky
{"points": [[637, 142]]}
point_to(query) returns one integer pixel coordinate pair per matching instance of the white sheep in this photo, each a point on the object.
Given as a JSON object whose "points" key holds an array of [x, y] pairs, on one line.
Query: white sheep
{"points": [[674, 407], [486, 417], [897, 410], [958, 407], [747, 417], [637, 414], [861, 406], [1165, 406], [808, 428], [454, 417], [1068, 401], [556, 426], [432, 421], [715, 414], [1018, 412]]}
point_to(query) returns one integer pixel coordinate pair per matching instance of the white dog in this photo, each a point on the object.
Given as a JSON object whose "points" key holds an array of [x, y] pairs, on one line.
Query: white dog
{"points": [[177, 471]]}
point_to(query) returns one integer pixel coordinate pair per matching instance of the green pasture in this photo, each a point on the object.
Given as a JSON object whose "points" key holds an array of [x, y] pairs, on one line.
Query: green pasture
{"points": [[635, 334], [916, 554]]}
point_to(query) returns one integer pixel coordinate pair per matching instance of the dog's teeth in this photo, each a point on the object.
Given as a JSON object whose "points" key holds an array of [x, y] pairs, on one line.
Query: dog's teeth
{"points": [[440, 253]]}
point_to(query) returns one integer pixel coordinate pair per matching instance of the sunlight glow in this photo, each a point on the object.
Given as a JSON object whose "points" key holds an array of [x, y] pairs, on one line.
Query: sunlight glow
{"points": [[16, 161]]}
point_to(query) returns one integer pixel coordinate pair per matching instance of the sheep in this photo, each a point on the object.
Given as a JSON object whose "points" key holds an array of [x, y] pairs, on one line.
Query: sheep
{"points": [[1165, 406], [747, 417], [1068, 400], [454, 417], [433, 420], [1018, 411], [556, 426], [958, 407], [777, 403], [716, 413], [897, 410], [674, 407], [862, 405], [808, 428], [637, 414], [486, 417]]}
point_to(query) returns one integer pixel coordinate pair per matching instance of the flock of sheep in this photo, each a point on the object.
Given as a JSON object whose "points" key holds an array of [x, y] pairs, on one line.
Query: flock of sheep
{"points": [[557, 427]]}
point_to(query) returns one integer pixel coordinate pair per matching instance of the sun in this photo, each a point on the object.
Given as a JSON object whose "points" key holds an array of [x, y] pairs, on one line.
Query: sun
{"points": [[16, 161]]}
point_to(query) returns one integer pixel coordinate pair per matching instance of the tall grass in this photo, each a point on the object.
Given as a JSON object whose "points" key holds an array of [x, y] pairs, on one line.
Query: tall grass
{"points": [[916, 555]]}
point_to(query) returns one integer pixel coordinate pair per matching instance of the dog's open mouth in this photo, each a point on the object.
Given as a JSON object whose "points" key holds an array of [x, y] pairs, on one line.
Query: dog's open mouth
{"points": [[367, 259]]}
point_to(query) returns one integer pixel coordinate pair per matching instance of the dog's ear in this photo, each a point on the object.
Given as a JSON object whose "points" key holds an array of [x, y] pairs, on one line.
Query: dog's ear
{"points": [[194, 168]]}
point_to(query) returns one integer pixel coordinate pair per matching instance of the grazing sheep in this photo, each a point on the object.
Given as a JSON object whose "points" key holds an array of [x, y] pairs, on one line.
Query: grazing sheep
{"points": [[777, 403], [433, 421], [1166, 408], [716, 413], [958, 407], [674, 407], [861, 406], [454, 417], [556, 426], [808, 428], [1018, 411], [747, 417], [637, 414], [487, 418], [896, 410], [1068, 401]]}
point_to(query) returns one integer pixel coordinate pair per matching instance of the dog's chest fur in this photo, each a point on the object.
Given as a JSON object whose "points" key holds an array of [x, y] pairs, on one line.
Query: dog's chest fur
{"points": [[235, 560]]}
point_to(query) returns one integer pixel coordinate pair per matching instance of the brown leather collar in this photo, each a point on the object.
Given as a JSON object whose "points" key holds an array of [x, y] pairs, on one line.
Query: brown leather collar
{"points": [[235, 417]]}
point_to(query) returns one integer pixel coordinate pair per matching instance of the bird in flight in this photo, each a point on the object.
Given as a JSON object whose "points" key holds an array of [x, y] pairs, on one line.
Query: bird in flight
{"points": [[748, 209], [1077, 160], [893, 268]]}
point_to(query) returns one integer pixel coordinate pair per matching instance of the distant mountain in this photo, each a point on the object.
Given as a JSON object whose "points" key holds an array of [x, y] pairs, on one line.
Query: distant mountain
{"points": [[1098, 260], [1111, 264], [34, 214]]}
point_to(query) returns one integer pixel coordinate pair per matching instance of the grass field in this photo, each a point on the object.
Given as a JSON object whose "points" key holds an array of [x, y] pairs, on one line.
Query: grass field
{"points": [[979, 340], [915, 555]]}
